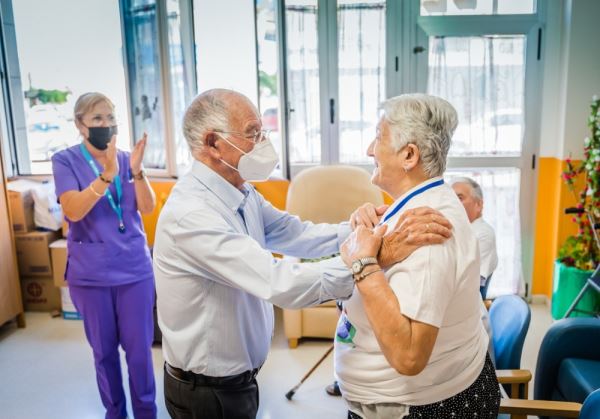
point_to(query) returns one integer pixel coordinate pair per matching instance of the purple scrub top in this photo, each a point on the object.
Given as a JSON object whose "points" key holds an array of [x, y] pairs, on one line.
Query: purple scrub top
{"points": [[98, 254]]}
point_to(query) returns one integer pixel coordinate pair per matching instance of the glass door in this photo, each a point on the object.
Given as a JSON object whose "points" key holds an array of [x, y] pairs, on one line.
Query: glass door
{"points": [[485, 71]]}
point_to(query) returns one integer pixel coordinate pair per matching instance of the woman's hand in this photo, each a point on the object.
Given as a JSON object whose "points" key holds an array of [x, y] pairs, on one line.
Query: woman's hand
{"points": [[363, 242], [415, 228], [111, 167], [137, 155], [367, 215]]}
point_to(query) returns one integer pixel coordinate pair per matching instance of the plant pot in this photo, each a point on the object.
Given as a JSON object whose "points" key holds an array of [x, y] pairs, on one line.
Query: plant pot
{"points": [[567, 284]]}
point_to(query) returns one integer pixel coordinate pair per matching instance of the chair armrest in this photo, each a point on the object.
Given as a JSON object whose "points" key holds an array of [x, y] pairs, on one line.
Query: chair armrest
{"points": [[513, 376], [488, 304], [518, 408]]}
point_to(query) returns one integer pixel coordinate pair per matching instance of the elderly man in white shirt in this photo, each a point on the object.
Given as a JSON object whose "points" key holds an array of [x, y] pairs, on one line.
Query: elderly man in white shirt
{"points": [[410, 342], [216, 278], [471, 196]]}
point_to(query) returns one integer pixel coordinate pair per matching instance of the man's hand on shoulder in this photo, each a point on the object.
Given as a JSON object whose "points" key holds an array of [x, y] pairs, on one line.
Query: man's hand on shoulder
{"points": [[367, 215], [416, 227]]}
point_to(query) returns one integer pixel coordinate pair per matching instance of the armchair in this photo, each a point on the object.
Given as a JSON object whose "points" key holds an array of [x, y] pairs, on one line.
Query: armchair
{"points": [[567, 373], [324, 194], [568, 366]]}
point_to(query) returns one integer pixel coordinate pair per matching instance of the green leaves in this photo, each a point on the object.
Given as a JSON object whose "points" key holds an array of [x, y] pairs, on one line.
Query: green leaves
{"points": [[581, 251]]}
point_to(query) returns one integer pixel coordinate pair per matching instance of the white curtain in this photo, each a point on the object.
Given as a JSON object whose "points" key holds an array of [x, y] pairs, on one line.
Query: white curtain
{"points": [[303, 82], [361, 62], [483, 77]]}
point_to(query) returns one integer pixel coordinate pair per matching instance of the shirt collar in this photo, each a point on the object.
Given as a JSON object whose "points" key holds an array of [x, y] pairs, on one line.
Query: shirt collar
{"points": [[231, 196], [405, 194]]}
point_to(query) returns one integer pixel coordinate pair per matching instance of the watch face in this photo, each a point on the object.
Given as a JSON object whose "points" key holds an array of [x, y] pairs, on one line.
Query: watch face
{"points": [[356, 266]]}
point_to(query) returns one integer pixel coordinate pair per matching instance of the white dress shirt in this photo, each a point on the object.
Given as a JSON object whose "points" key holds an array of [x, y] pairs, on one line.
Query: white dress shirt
{"points": [[437, 285], [216, 279], [487, 248]]}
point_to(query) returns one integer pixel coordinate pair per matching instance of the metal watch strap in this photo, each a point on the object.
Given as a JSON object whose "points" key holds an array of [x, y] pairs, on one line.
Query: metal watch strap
{"points": [[368, 261]]}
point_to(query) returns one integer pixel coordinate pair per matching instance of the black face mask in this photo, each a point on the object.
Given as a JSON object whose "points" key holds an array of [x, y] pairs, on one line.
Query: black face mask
{"points": [[101, 136]]}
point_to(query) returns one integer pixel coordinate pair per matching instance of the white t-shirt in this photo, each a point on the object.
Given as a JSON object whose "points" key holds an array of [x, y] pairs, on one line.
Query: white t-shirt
{"points": [[437, 285], [487, 247]]}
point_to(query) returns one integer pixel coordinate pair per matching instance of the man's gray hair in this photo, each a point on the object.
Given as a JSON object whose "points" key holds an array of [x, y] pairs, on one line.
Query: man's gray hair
{"points": [[426, 121], [475, 188], [207, 112]]}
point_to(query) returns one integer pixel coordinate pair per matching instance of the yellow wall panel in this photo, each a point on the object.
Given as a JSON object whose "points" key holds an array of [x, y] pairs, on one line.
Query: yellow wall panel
{"points": [[552, 226]]}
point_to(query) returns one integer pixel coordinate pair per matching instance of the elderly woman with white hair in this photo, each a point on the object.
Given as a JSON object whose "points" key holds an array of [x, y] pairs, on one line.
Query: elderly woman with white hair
{"points": [[410, 342]]}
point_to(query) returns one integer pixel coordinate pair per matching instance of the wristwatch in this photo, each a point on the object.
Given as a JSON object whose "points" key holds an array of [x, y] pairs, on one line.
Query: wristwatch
{"points": [[359, 264]]}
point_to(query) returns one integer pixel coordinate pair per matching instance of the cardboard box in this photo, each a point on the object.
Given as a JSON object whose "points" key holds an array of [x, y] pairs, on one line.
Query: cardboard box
{"points": [[40, 294], [58, 253], [33, 253], [20, 199], [69, 312]]}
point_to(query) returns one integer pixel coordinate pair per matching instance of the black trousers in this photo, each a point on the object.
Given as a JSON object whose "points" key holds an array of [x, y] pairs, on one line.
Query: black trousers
{"points": [[480, 400], [211, 399]]}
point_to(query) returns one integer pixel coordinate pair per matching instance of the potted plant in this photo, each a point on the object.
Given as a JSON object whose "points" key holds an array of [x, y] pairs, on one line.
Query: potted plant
{"points": [[580, 254]]}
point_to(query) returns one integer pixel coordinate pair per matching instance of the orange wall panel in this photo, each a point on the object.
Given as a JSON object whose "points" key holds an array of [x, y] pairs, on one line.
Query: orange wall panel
{"points": [[162, 189], [552, 226]]}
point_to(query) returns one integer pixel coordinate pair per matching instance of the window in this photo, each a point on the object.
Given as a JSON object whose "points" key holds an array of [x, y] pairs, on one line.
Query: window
{"points": [[60, 58], [484, 77], [361, 67], [335, 78], [303, 81], [476, 7], [267, 43], [56, 52], [161, 77]]}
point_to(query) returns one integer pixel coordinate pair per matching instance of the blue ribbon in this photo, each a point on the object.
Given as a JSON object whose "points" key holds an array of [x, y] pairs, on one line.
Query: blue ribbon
{"points": [[116, 206], [409, 197]]}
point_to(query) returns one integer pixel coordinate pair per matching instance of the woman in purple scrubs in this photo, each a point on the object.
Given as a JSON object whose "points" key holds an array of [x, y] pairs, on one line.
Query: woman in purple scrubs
{"points": [[102, 191]]}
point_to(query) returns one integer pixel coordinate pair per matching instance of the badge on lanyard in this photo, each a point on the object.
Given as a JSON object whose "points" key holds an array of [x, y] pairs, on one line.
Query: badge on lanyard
{"points": [[116, 206], [409, 197]]}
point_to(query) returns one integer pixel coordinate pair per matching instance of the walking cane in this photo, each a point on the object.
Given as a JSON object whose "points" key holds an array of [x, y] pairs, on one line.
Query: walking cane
{"points": [[291, 393]]}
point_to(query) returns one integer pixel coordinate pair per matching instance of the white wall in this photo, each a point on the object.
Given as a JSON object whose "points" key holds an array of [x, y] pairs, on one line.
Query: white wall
{"points": [[552, 94], [583, 74], [571, 75], [224, 33]]}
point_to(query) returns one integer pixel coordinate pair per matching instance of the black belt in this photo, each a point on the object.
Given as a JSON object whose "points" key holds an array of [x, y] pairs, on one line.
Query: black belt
{"points": [[205, 380]]}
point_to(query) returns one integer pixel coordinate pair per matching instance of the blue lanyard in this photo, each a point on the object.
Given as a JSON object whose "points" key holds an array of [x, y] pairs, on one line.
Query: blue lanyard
{"points": [[116, 207], [409, 197]]}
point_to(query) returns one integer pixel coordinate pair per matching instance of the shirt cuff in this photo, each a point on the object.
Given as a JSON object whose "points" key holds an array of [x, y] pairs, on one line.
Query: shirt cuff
{"points": [[344, 230], [336, 279]]}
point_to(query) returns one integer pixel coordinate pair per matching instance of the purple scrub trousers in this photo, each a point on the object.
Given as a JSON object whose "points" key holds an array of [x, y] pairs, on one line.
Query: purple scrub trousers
{"points": [[110, 277], [120, 315]]}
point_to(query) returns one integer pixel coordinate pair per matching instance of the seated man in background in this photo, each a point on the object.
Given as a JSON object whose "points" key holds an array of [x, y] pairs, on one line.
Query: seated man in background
{"points": [[470, 194]]}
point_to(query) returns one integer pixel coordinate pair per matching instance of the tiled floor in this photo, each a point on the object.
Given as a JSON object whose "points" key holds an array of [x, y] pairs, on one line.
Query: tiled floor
{"points": [[46, 371]]}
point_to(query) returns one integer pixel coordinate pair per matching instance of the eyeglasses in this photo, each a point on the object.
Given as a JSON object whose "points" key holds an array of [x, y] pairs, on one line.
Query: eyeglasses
{"points": [[257, 137]]}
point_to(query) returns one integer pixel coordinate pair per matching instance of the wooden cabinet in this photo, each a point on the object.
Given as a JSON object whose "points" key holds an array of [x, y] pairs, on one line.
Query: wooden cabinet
{"points": [[11, 304]]}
